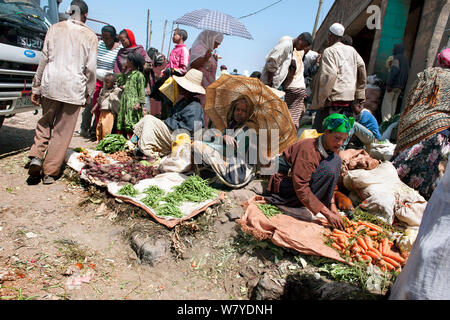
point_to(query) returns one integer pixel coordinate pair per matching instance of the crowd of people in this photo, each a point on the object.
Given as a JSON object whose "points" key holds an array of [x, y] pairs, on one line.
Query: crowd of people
{"points": [[114, 79]]}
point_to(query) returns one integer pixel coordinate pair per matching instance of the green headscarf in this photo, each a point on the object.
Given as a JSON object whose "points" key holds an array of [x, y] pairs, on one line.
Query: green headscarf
{"points": [[338, 123]]}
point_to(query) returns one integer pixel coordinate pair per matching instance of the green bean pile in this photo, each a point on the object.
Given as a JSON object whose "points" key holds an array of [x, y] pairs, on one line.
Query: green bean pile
{"points": [[269, 210], [194, 189], [129, 191], [153, 196], [169, 210]]}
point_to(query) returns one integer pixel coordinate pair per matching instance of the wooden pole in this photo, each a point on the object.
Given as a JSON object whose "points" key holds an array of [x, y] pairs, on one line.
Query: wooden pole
{"points": [[170, 41], [164, 37], [150, 37], [148, 22], [317, 19]]}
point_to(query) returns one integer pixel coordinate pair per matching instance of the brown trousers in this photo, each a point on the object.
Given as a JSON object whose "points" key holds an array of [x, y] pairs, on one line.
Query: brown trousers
{"points": [[105, 124], [54, 133]]}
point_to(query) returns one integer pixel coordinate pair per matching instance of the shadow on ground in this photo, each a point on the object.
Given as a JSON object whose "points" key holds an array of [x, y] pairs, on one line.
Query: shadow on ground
{"points": [[13, 140]]}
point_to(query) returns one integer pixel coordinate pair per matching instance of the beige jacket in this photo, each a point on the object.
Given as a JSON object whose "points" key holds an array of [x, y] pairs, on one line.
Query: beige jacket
{"points": [[67, 70], [341, 77], [278, 62], [109, 100]]}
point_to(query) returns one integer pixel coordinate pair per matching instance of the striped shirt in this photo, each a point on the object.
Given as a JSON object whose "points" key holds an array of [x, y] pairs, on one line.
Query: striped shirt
{"points": [[106, 58]]}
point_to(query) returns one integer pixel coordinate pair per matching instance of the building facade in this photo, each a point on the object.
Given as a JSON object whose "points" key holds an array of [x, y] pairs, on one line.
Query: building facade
{"points": [[377, 25]]}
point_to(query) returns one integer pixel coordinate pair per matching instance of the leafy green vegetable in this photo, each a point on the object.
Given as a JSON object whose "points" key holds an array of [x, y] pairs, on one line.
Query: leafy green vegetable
{"points": [[269, 210], [129, 191], [384, 125], [169, 210], [154, 196], [112, 143], [194, 189], [145, 163]]}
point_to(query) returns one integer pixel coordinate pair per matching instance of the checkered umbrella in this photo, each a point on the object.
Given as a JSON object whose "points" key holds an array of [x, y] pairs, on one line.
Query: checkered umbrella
{"points": [[215, 21]]}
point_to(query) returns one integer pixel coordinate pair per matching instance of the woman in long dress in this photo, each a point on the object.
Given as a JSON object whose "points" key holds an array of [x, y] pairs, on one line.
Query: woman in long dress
{"points": [[203, 58]]}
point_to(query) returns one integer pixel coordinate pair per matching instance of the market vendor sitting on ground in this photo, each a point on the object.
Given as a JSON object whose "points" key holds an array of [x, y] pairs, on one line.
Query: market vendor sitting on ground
{"points": [[230, 155], [366, 129], [309, 171], [154, 137]]}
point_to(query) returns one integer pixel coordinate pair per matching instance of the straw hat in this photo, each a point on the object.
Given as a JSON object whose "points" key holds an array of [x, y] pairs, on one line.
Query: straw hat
{"points": [[192, 81]]}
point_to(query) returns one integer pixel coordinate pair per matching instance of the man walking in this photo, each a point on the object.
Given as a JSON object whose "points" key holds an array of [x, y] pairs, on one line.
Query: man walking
{"points": [[64, 82], [341, 78], [396, 82], [279, 60], [294, 85]]}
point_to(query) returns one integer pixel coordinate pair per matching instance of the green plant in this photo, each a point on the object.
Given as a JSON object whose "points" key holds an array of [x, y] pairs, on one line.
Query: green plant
{"points": [[112, 143]]}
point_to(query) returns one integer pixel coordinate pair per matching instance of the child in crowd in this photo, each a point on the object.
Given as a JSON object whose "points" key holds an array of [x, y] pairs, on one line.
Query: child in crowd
{"points": [[179, 57], [108, 103], [366, 127], [177, 65], [133, 96], [149, 75]]}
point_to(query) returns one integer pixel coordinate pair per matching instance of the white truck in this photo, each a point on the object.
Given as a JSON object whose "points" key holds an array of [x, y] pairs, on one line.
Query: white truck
{"points": [[23, 25]]}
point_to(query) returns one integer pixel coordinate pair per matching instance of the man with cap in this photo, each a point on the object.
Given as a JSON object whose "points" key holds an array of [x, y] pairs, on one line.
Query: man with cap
{"points": [[294, 85], [309, 171], [341, 79], [280, 59], [154, 137]]}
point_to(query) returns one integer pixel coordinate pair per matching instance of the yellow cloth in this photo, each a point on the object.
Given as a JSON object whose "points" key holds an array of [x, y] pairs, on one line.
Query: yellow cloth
{"points": [[310, 134]]}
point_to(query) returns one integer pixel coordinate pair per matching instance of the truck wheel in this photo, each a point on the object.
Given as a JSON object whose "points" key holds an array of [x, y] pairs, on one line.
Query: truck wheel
{"points": [[2, 118]]}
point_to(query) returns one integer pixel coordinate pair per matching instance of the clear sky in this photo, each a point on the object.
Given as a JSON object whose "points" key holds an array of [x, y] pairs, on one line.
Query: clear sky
{"points": [[289, 17]]}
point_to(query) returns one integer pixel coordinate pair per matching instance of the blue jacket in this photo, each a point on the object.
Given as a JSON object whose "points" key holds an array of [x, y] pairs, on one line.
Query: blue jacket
{"points": [[366, 119], [184, 115]]}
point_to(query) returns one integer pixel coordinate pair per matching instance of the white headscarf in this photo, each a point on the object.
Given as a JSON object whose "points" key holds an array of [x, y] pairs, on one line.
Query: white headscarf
{"points": [[204, 42]]}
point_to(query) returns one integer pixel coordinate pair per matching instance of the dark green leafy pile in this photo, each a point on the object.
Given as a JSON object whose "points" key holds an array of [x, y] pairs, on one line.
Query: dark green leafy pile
{"points": [[112, 143], [384, 125], [129, 191], [269, 210]]}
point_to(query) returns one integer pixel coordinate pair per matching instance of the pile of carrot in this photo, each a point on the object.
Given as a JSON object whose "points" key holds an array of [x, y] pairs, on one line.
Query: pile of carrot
{"points": [[365, 242]]}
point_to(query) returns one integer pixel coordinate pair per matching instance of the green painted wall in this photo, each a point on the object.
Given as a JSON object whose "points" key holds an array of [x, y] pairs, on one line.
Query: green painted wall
{"points": [[393, 31]]}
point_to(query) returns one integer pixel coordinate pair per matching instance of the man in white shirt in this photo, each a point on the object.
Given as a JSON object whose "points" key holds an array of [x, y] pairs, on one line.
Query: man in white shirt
{"points": [[341, 78], [64, 82], [279, 59], [294, 85]]}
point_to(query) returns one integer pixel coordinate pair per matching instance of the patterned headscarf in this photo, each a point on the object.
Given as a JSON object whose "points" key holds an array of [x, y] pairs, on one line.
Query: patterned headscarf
{"points": [[338, 123], [444, 58]]}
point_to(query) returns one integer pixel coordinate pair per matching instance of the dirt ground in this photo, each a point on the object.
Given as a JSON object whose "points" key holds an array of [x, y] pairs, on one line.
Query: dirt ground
{"points": [[51, 234]]}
